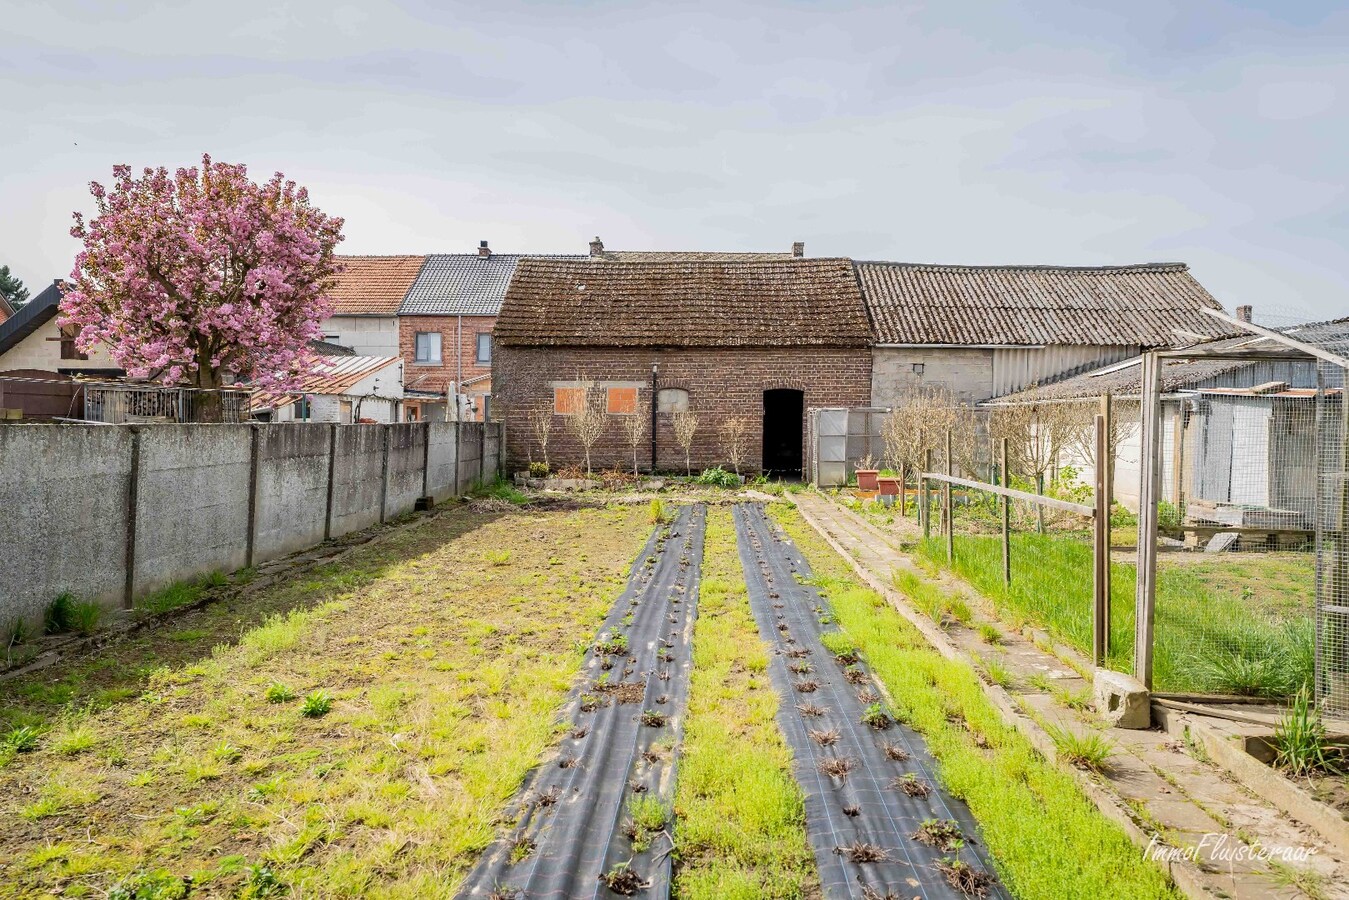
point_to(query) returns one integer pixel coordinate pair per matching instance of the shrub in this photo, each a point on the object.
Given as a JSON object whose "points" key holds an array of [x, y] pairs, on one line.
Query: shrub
{"points": [[278, 693], [658, 512], [1300, 738], [539, 470], [57, 617], [85, 616], [316, 705], [718, 477]]}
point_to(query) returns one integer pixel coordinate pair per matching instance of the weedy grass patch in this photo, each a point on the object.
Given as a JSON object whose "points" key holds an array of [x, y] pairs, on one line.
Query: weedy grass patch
{"points": [[1046, 838], [157, 759], [740, 816]]}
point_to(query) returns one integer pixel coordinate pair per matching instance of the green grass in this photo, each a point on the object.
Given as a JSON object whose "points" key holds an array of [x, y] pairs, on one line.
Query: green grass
{"points": [[499, 489], [1214, 632], [1047, 839], [177, 595], [446, 675], [740, 814]]}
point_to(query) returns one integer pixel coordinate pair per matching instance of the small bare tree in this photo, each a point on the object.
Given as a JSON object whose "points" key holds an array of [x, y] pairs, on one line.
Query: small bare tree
{"points": [[735, 440], [541, 423], [685, 423], [588, 417], [919, 422], [634, 429], [1037, 431]]}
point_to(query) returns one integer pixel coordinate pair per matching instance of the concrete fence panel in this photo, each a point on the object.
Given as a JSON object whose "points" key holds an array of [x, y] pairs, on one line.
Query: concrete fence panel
{"points": [[404, 474], [291, 489], [191, 502], [441, 461], [111, 513], [63, 490], [470, 454], [358, 478]]}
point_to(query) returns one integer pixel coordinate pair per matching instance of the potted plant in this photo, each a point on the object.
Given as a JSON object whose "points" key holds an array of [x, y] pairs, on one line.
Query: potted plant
{"points": [[889, 487], [866, 473]]}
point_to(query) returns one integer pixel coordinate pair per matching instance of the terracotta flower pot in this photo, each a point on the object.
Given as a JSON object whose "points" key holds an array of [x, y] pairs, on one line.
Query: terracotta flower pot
{"points": [[866, 479], [889, 487]]}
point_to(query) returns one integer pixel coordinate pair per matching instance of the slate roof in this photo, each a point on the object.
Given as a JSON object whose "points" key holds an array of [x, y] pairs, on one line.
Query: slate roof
{"points": [[373, 285], [914, 303], [683, 303], [462, 284], [31, 316], [1124, 379]]}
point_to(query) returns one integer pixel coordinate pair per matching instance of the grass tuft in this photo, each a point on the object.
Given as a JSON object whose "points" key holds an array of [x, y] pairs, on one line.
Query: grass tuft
{"points": [[316, 705]]}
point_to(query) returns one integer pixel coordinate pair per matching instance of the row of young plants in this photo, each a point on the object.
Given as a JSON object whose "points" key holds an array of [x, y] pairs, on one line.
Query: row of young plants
{"points": [[1047, 839]]}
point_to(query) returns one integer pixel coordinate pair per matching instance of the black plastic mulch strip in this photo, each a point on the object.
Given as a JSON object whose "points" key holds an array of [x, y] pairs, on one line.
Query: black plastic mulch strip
{"points": [[626, 719], [862, 823]]}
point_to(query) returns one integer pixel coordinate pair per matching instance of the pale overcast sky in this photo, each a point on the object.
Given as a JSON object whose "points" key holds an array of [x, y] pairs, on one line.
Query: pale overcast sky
{"points": [[1209, 132]]}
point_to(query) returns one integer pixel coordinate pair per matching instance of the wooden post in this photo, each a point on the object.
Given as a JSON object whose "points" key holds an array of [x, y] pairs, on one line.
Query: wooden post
{"points": [[1006, 517], [925, 511], [947, 507], [1100, 642], [1177, 457], [1145, 591], [1106, 458]]}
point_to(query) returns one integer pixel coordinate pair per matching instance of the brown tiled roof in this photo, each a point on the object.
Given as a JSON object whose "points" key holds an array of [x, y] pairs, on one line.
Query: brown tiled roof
{"points": [[373, 285], [914, 303], [689, 256], [686, 303]]}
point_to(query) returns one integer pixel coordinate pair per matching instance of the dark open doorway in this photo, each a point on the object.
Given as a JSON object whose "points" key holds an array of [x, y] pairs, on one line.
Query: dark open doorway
{"points": [[783, 424]]}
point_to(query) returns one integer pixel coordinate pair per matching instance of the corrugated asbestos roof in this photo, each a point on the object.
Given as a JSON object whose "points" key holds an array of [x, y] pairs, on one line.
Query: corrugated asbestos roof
{"points": [[329, 375], [373, 285], [462, 284], [913, 303], [601, 303], [1125, 379]]}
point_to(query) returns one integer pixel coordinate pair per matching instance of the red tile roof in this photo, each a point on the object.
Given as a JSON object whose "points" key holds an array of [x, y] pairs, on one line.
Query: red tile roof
{"points": [[373, 285]]}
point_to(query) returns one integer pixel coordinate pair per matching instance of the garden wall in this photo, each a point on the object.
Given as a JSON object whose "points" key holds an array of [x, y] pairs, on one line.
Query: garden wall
{"points": [[111, 513]]}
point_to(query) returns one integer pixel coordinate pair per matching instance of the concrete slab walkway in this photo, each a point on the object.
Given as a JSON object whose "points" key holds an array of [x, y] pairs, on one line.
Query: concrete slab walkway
{"points": [[1188, 814]]}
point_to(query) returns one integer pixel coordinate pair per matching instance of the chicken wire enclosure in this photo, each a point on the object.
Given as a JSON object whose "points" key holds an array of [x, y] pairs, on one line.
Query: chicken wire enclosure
{"points": [[1243, 572]]}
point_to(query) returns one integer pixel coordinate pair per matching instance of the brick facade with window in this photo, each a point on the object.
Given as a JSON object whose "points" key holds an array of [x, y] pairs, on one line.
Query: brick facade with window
{"points": [[730, 339], [721, 384], [437, 374]]}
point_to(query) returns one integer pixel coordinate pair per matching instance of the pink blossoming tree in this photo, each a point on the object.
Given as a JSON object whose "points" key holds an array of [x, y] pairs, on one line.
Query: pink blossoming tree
{"points": [[190, 276]]}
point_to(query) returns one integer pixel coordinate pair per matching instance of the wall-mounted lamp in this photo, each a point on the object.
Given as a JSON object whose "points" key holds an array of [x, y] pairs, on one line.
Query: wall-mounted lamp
{"points": [[918, 368]]}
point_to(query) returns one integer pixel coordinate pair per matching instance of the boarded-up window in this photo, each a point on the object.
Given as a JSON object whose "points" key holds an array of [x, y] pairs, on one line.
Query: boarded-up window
{"points": [[622, 401], [68, 348], [672, 400], [567, 401]]}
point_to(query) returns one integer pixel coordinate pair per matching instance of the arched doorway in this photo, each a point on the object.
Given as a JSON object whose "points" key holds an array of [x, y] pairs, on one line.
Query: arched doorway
{"points": [[783, 432]]}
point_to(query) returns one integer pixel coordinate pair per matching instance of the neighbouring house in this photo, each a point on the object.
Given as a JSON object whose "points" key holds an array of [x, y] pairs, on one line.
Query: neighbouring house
{"points": [[342, 390], [1235, 433], [445, 328], [365, 300], [5, 310], [757, 338], [31, 340], [986, 331]]}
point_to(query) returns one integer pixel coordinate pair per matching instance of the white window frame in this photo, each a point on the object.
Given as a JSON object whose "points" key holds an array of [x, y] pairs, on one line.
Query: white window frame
{"points": [[428, 359]]}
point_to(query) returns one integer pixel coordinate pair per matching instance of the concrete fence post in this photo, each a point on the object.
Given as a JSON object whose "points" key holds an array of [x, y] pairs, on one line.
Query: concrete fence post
{"points": [[332, 464], [458, 454], [384, 476], [254, 437], [426, 463], [132, 498], [482, 453]]}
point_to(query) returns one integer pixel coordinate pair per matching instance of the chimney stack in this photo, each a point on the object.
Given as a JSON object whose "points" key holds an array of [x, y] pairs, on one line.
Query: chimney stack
{"points": [[1244, 313], [483, 249], [597, 246], [798, 249]]}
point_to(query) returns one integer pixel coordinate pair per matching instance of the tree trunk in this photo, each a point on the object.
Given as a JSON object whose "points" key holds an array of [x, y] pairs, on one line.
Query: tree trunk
{"points": [[206, 405], [688, 466]]}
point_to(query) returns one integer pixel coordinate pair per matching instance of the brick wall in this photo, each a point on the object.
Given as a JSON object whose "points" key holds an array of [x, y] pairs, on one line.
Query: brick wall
{"points": [[438, 377], [722, 383]]}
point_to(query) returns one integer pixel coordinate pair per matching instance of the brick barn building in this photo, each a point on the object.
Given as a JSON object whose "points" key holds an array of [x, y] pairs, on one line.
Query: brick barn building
{"points": [[757, 337]]}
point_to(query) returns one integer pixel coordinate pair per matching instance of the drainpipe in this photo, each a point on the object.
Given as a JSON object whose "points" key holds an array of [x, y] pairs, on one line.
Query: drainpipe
{"points": [[459, 364], [655, 370]]}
